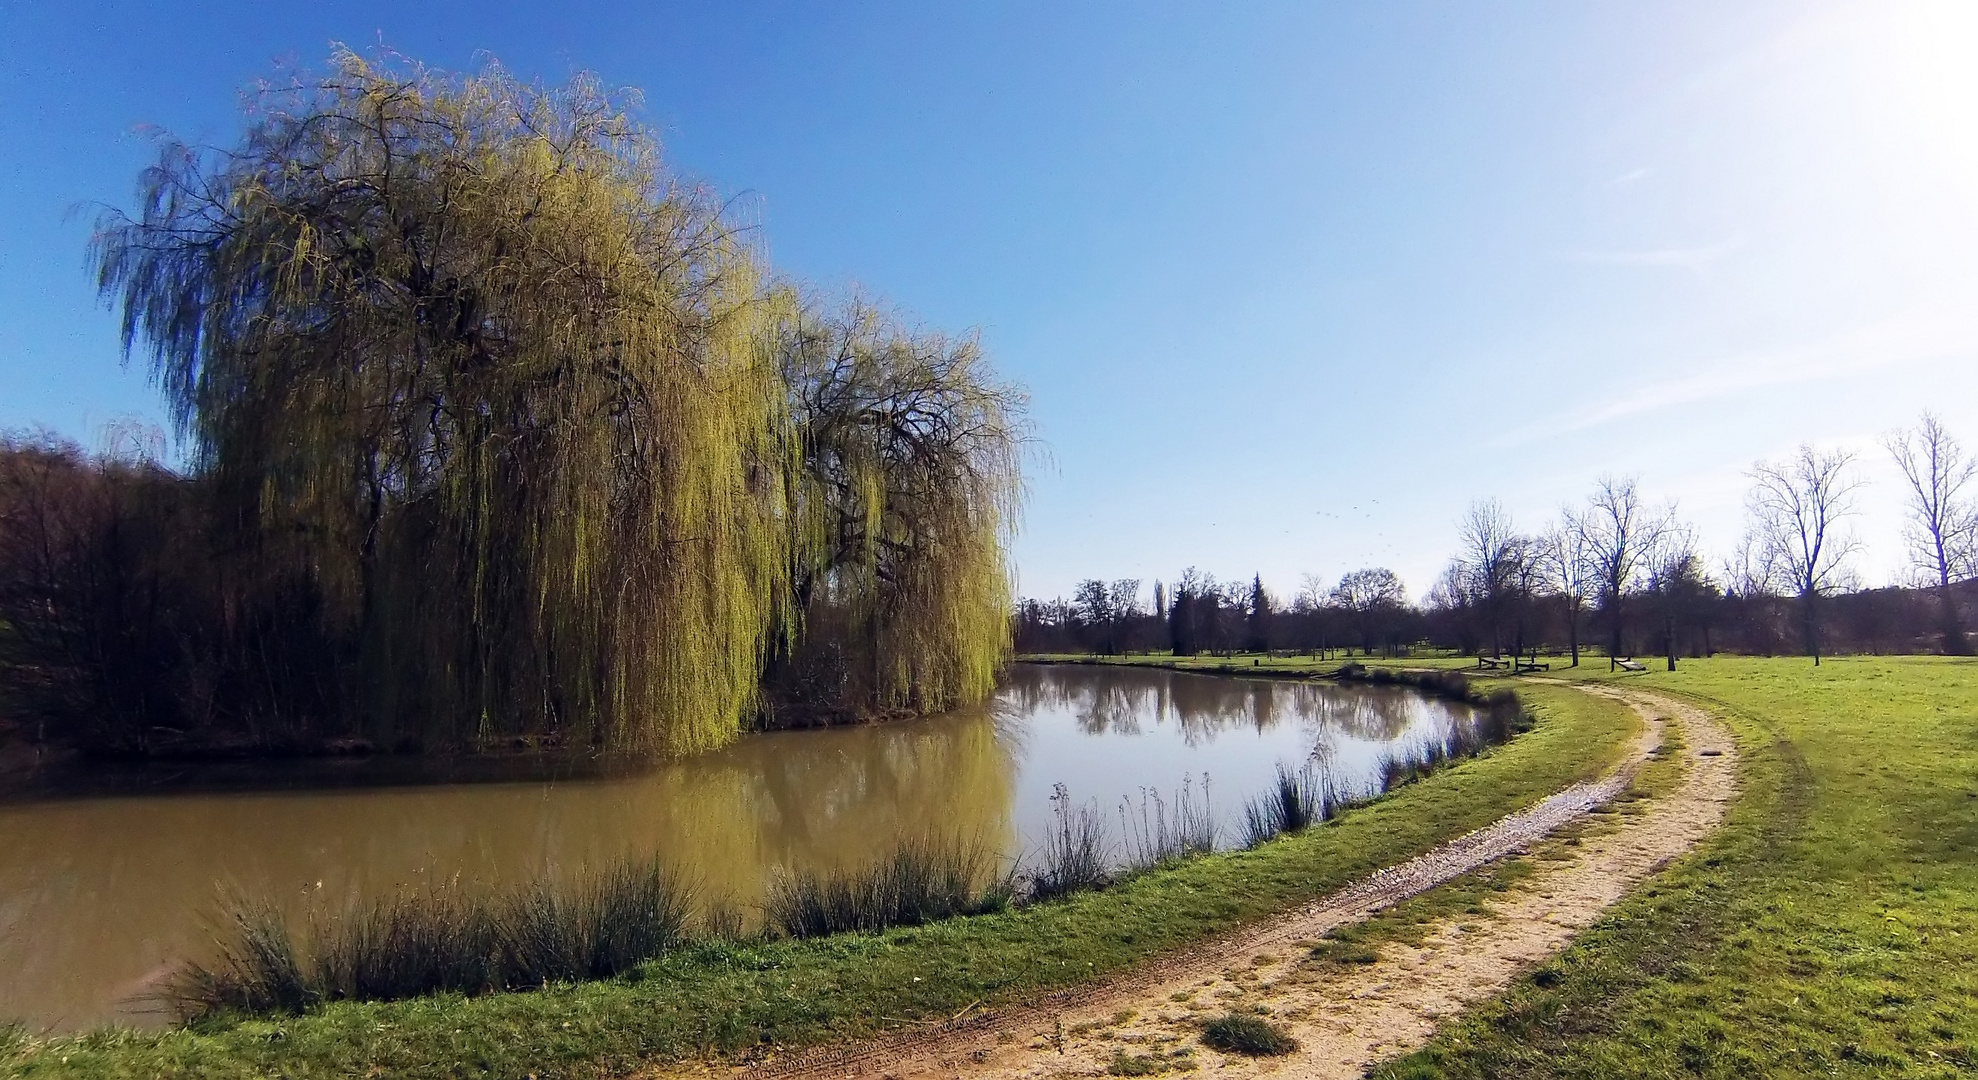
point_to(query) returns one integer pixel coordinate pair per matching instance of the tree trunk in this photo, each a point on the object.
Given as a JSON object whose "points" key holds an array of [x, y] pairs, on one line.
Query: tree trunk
{"points": [[1613, 630], [1954, 643]]}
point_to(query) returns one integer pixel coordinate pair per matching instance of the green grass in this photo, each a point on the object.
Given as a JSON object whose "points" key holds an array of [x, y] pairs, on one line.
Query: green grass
{"points": [[1254, 1036], [741, 1001], [1829, 929], [1472, 895]]}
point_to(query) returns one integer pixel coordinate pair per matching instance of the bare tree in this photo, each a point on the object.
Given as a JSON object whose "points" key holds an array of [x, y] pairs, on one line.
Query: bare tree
{"points": [[1125, 596], [1370, 597], [1795, 506], [1313, 592], [1749, 569], [1943, 521], [1676, 581], [1488, 550], [1525, 581], [1453, 593], [1563, 559], [1617, 533], [1092, 602]]}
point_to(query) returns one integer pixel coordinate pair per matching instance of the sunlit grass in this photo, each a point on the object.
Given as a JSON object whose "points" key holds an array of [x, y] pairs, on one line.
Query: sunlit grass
{"points": [[1829, 929]]}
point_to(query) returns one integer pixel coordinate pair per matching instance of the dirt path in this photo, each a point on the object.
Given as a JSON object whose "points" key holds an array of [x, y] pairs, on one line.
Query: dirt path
{"points": [[1342, 1021]]}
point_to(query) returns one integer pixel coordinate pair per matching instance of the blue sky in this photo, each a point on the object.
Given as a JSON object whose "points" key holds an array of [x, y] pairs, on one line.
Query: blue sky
{"points": [[1289, 284]]}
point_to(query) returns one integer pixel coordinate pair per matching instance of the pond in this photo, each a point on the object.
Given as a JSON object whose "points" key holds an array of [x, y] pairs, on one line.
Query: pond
{"points": [[104, 890]]}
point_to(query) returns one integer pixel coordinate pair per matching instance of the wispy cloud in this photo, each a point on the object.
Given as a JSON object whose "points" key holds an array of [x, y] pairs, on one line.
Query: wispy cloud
{"points": [[1687, 258], [1885, 345], [1628, 177]]}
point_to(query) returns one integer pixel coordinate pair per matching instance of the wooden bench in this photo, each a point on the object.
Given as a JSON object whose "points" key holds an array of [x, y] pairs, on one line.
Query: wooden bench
{"points": [[1628, 664], [1532, 664], [1489, 662]]}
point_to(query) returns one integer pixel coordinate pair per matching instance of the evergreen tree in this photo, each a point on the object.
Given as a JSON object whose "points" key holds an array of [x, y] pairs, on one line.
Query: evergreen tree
{"points": [[1257, 629]]}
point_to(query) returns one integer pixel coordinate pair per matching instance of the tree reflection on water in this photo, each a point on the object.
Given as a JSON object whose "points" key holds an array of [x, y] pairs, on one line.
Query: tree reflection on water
{"points": [[1119, 700]]}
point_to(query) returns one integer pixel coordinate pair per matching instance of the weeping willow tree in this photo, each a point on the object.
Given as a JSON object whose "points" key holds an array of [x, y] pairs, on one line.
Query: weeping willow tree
{"points": [[458, 350], [909, 488], [543, 443]]}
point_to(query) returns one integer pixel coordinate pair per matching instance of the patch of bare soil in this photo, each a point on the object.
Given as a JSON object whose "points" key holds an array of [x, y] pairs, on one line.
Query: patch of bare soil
{"points": [[1149, 1022]]}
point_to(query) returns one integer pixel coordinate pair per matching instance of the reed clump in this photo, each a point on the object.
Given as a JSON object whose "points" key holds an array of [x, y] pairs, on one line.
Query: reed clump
{"points": [[614, 921], [1160, 831], [1076, 854], [920, 881], [1299, 799], [443, 940]]}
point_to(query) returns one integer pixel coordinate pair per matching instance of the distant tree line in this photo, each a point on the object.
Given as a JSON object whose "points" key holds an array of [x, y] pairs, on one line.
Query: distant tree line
{"points": [[1611, 570]]}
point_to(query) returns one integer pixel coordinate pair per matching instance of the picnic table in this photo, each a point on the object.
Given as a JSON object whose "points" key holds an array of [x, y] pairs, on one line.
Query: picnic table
{"points": [[1489, 662], [1627, 663]]}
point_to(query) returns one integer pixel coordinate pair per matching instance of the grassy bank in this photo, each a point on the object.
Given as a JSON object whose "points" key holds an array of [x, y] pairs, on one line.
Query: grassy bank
{"points": [[744, 1000], [1828, 929]]}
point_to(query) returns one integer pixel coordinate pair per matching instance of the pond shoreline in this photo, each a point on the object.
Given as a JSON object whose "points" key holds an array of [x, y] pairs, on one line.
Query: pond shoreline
{"points": [[31, 771], [739, 1000], [1446, 683]]}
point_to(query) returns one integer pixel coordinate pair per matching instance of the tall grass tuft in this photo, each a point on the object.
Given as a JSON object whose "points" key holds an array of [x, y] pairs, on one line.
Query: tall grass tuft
{"points": [[1159, 833], [259, 968], [442, 940], [1237, 1033], [610, 923], [406, 945], [1296, 801], [722, 920], [1074, 855], [920, 881]]}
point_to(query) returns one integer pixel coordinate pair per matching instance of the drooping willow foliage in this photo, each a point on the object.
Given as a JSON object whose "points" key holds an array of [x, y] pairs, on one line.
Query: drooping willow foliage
{"points": [[548, 448], [908, 491]]}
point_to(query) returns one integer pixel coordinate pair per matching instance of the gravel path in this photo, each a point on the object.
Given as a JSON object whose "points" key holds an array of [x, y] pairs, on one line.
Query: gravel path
{"points": [[1343, 1021]]}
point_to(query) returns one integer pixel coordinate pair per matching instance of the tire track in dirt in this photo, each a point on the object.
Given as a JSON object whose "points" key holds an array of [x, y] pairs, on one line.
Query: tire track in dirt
{"points": [[1343, 1022]]}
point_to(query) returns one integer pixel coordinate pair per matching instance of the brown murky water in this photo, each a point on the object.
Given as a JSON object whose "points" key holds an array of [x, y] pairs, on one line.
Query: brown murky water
{"points": [[100, 894]]}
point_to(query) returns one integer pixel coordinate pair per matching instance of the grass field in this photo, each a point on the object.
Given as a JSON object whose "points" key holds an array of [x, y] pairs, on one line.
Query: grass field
{"points": [[1829, 929], [742, 1000]]}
